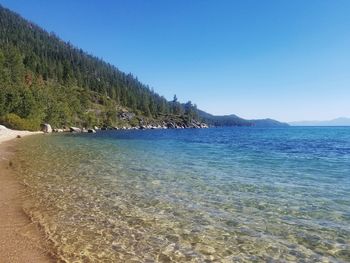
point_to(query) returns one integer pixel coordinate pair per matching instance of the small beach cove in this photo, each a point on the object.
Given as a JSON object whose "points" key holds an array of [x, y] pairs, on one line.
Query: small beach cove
{"points": [[21, 239]]}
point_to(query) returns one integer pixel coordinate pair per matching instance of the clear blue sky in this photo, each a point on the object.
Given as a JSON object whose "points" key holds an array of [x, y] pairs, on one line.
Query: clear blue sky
{"points": [[288, 60]]}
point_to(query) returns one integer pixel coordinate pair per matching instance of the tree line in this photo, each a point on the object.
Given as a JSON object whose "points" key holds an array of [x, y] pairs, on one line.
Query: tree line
{"points": [[44, 79]]}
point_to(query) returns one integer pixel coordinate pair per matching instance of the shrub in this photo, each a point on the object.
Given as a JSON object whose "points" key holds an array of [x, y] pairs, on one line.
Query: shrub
{"points": [[13, 121], [134, 122]]}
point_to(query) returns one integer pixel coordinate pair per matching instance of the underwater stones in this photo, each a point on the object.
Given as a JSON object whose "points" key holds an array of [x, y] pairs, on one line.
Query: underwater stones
{"points": [[205, 249], [164, 258], [46, 128]]}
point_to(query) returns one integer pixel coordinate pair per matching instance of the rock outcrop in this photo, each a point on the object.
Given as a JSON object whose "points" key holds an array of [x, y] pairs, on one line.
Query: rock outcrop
{"points": [[46, 128]]}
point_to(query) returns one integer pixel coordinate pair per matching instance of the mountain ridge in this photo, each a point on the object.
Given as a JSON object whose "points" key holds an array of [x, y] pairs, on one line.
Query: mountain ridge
{"points": [[234, 120]]}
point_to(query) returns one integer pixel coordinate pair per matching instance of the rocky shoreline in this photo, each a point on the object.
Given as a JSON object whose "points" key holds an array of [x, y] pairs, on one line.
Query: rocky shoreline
{"points": [[46, 128]]}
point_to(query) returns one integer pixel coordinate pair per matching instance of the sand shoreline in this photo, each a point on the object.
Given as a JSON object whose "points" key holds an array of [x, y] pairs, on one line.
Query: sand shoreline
{"points": [[8, 134], [21, 240]]}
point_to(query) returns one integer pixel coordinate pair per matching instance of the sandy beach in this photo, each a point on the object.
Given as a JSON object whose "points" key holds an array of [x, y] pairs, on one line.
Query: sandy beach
{"points": [[8, 134], [21, 240]]}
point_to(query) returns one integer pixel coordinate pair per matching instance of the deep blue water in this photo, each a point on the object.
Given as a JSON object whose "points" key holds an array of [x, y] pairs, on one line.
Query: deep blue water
{"points": [[196, 195]]}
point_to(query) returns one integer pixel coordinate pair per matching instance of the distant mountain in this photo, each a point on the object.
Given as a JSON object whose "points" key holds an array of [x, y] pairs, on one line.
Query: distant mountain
{"points": [[234, 120], [268, 123], [225, 120], [335, 122]]}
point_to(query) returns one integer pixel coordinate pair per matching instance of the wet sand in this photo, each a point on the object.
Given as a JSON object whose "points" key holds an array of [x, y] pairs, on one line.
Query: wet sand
{"points": [[21, 240]]}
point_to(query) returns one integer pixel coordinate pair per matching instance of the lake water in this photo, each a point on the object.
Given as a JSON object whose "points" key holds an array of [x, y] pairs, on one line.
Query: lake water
{"points": [[196, 195]]}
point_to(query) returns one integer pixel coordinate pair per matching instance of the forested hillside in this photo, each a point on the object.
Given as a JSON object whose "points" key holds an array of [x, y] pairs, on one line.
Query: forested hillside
{"points": [[224, 120], [44, 79], [234, 120]]}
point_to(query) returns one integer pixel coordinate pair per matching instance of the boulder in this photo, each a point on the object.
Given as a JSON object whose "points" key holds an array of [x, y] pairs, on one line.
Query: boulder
{"points": [[74, 129], [170, 125], [91, 131], [126, 116], [46, 128]]}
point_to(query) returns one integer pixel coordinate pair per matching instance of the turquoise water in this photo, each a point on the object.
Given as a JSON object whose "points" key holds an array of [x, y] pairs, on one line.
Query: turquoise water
{"points": [[201, 195]]}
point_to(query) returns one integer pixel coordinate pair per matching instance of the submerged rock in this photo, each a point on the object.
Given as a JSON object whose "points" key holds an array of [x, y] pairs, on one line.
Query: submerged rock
{"points": [[205, 249]]}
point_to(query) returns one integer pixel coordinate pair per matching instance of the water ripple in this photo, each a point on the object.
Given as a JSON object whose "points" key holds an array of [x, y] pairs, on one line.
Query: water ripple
{"points": [[216, 195]]}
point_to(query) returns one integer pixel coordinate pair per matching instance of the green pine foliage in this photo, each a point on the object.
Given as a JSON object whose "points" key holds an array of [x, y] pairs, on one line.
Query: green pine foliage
{"points": [[44, 79]]}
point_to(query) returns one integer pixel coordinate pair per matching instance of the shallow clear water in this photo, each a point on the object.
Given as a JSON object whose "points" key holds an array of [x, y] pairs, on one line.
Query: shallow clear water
{"points": [[201, 195]]}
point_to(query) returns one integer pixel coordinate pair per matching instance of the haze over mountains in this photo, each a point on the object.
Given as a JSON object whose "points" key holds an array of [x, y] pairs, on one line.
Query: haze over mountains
{"points": [[342, 121]]}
